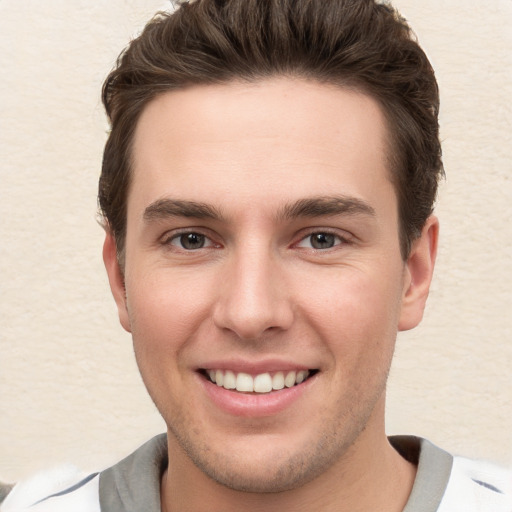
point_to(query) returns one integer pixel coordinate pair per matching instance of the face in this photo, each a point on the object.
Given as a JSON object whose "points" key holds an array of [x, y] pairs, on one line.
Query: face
{"points": [[263, 282]]}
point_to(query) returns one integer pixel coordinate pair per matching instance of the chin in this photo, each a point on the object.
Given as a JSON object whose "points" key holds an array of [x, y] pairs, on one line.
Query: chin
{"points": [[267, 466], [269, 478]]}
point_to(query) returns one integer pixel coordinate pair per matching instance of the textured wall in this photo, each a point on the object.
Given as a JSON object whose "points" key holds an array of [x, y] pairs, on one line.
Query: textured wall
{"points": [[69, 389]]}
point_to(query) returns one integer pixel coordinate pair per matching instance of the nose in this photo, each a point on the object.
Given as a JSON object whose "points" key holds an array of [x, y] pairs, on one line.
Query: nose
{"points": [[253, 298]]}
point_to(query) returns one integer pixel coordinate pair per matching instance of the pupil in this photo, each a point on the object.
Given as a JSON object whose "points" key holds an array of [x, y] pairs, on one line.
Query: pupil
{"points": [[192, 241], [322, 240]]}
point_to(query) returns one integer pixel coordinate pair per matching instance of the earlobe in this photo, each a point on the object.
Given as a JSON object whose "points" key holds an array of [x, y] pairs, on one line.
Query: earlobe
{"points": [[418, 275], [116, 279]]}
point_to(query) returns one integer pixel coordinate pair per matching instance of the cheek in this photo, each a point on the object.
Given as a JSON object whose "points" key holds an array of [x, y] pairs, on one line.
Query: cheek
{"points": [[356, 314], [163, 303], [160, 329], [162, 316], [167, 312]]}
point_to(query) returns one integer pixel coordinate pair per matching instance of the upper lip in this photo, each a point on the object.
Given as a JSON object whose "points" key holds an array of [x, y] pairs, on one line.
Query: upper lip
{"points": [[254, 367]]}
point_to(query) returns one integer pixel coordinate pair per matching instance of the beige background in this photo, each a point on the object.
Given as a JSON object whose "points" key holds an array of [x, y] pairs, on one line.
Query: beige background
{"points": [[69, 389]]}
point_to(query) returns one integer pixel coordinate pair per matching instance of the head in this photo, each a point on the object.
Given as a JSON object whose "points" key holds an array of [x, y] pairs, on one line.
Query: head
{"points": [[362, 45], [267, 188]]}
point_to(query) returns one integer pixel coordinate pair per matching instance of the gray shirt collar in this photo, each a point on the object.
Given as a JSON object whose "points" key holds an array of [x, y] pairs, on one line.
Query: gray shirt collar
{"points": [[133, 484], [432, 475]]}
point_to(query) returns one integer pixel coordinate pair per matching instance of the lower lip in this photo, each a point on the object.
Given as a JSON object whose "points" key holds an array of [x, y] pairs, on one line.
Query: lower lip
{"points": [[253, 405]]}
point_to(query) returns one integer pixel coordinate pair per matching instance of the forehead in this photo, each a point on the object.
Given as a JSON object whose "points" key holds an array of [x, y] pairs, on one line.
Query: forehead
{"points": [[263, 142]]}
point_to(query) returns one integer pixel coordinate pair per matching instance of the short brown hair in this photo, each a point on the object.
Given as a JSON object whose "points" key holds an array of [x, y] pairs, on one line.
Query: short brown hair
{"points": [[362, 44]]}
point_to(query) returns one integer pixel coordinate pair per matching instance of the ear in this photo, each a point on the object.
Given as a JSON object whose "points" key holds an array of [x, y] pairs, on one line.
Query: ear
{"points": [[116, 279], [418, 275]]}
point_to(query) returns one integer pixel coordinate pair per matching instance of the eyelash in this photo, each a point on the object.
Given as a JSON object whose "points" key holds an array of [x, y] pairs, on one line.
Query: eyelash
{"points": [[168, 240], [339, 240]]}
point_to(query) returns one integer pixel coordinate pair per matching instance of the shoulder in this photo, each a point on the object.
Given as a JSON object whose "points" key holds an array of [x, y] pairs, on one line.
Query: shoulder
{"points": [[132, 483], [61, 489], [447, 483], [478, 486]]}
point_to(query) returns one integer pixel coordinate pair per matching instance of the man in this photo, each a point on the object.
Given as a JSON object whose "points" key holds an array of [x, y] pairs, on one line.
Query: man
{"points": [[268, 189]]}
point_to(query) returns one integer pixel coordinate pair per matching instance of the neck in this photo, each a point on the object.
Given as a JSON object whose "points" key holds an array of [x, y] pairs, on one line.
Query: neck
{"points": [[370, 476]]}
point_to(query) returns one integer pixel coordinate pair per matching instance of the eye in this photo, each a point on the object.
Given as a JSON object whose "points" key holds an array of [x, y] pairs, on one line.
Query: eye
{"points": [[320, 240], [190, 241]]}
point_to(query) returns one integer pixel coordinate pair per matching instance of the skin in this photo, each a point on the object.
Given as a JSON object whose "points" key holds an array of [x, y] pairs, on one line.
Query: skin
{"points": [[260, 291]]}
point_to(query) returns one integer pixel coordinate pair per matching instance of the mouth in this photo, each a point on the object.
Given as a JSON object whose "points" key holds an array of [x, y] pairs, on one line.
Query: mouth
{"points": [[258, 384]]}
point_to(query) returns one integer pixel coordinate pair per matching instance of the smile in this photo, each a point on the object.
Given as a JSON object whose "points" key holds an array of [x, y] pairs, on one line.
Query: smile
{"points": [[261, 383]]}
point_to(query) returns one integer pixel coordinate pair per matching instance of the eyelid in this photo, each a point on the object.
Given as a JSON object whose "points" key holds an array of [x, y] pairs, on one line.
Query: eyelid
{"points": [[169, 236], [344, 238]]}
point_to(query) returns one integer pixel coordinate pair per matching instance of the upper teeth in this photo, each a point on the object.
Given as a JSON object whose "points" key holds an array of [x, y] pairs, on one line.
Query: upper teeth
{"points": [[262, 383]]}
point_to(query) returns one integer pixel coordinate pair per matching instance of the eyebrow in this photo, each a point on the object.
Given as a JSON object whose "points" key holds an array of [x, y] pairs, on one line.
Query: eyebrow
{"points": [[164, 208], [308, 207], [325, 206]]}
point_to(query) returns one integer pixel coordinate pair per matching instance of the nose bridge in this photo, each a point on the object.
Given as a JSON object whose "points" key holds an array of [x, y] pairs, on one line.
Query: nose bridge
{"points": [[253, 298]]}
